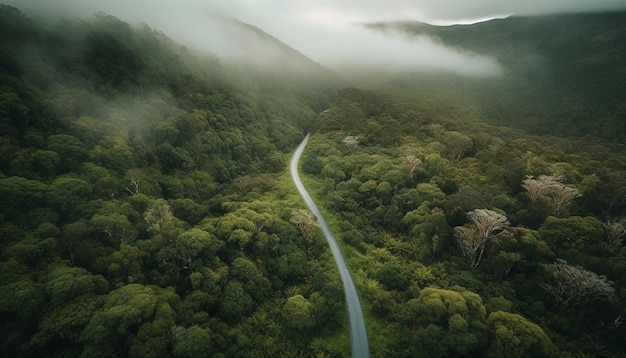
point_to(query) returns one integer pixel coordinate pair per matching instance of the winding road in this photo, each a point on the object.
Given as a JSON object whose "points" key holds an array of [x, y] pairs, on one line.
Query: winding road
{"points": [[358, 332]]}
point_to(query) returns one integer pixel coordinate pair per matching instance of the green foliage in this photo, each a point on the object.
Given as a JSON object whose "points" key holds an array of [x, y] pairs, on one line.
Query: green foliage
{"points": [[514, 336], [65, 283], [452, 321], [393, 277], [192, 342], [145, 211], [298, 313], [413, 219], [21, 299], [235, 301], [576, 239]]}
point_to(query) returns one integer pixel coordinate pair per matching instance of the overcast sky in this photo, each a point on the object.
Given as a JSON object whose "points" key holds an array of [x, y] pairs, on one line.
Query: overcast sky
{"points": [[325, 30]]}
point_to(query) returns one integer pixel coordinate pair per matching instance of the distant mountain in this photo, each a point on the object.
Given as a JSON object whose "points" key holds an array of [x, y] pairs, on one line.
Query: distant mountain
{"points": [[568, 66], [253, 45], [260, 61]]}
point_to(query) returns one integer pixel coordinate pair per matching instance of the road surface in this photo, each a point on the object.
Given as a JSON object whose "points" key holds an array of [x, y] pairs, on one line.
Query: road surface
{"points": [[358, 332]]}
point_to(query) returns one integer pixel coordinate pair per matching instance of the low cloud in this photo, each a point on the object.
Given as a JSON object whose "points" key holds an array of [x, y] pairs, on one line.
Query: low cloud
{"points": [[326, 31], [359, 46]]}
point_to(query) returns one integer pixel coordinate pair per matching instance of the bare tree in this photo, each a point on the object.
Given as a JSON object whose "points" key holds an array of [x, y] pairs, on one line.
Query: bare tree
{"points": [[413, 162], [561, 195], [551, 186], [351, 142], [614, 233], [472, 239], [575, 286], [540, 186], [133, 187]]}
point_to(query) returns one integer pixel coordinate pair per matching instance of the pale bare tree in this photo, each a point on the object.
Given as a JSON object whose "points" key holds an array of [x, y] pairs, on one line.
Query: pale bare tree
{"points": [[551, 186], [485, 224], [487, 221], [540, 186], [614, 233], [133, 187], [562, 194], [413, 162], [574, 286], [351, 142]]}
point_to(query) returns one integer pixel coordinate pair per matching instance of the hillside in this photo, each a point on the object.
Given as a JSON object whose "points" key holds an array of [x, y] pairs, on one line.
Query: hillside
{"points": [[564, 74], [143, 208], [410, 187]]}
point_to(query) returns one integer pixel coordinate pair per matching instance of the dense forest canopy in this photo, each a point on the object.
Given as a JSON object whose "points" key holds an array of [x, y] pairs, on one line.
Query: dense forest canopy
{"points": [[146, 209]]}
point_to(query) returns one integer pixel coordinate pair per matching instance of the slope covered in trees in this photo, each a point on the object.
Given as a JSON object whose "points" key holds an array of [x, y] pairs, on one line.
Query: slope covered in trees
{"points": [[563, 74], [144, 208], [473, 240]]}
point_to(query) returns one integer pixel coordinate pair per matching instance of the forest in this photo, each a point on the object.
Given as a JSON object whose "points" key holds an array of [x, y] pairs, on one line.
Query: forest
{"points": [[147, 210]]}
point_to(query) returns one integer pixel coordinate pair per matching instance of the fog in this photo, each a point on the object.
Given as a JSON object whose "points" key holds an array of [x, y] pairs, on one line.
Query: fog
{"points": [[328, 32]]}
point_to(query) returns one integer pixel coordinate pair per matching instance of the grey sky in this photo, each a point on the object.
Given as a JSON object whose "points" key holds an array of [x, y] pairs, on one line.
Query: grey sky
{"points": [[324, 30]]}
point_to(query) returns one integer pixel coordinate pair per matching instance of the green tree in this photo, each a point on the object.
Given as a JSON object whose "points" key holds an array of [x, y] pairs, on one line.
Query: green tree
{"points": [[114, 228], [255, 284], [67, 321], [154, 338], [456, 145], [45, 162], [21, 299], [67, 194], [195, 244], [306, 224], [192, 342], [393, 277], [574, 237], [431, 342], [64, 283], [451, 321], [112, 328], [158, 216], [124, 265], [298, 313], [20, 194], [69, 148], [235, 302], [515, 336]]}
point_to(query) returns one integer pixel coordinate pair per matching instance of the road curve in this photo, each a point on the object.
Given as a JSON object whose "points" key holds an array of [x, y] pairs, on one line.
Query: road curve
{"points": [[358, 332]]}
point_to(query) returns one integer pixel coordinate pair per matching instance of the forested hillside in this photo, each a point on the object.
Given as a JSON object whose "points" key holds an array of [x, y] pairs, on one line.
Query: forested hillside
{"points": [[146, 209], [473, 240], [563, 74]]}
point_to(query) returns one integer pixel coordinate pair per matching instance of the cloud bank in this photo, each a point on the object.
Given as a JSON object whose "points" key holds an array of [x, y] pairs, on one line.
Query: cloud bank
{"points": [[327, 31]]}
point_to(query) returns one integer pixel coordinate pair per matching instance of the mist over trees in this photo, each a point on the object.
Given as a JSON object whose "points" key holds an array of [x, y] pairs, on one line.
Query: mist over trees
{"points": [[146, 209]]}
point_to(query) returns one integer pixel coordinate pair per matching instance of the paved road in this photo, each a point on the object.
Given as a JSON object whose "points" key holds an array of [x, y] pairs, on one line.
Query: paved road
{"points": [[358, 332]]}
